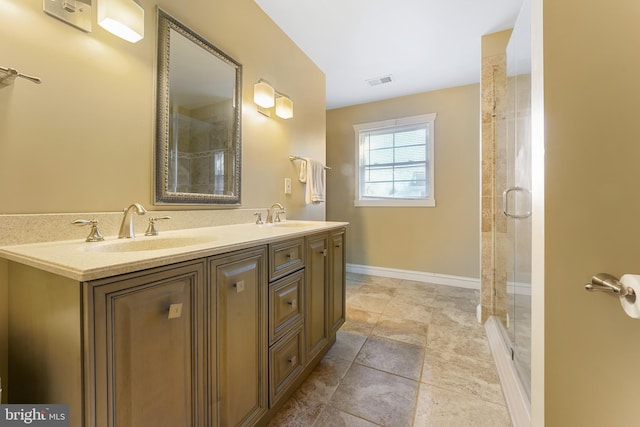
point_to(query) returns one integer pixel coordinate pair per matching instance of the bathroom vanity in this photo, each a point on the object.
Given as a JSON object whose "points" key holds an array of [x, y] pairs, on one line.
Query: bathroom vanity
{"points": [[214, 326]]}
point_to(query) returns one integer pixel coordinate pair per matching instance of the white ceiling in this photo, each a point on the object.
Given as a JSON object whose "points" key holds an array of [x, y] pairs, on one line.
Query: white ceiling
{"points": [[423, 44]]}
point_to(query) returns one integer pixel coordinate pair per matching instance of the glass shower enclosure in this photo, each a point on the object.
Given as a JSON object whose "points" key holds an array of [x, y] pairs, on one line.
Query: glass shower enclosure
{"points": [[515, 162]]}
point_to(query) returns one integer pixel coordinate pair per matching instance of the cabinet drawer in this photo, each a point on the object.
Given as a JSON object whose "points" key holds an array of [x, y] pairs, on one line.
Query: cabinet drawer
{"points": [[285, 360], [285, 257], [286, 305]]}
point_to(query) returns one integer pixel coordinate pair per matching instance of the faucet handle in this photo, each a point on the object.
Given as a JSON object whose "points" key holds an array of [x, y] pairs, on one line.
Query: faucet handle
{"points": [[259, 218], [94, 233], [151, 229]]}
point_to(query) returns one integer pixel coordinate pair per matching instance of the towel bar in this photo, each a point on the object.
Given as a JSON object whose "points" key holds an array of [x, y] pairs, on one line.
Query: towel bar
{"points": [[8, 75], [302, 158]]}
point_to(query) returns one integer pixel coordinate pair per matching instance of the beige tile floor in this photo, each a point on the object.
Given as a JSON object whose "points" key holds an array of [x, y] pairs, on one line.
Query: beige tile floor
{"points": [[409, 354]]}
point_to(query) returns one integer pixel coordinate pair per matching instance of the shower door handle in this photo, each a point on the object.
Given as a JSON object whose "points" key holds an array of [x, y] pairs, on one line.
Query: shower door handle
{"points": [[505, 202]]}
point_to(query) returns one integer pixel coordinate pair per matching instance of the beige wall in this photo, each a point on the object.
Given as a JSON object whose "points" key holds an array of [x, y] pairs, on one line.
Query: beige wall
{"points": [[444, 239], [82, 140], [592, 210]]}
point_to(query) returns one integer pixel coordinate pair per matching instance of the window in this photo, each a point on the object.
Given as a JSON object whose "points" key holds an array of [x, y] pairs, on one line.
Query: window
{"points": [[395, 162]]}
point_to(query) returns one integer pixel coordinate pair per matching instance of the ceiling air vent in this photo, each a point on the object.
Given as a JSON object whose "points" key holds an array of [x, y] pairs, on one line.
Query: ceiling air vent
{"points": [[379, 80]]}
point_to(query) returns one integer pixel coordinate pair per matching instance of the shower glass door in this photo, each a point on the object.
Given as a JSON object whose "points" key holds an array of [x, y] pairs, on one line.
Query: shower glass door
{"points": [[516, 199]]}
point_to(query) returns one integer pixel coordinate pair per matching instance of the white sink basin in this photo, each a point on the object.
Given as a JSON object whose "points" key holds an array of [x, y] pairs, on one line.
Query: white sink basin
{"points": [[145, 244]]}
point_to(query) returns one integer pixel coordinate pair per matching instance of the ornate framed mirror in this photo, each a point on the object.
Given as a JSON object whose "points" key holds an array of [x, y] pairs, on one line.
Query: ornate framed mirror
{"points": [[198, 119]]}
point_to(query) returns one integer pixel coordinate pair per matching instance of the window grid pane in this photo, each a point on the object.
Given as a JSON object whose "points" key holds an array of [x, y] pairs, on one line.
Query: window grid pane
{"points": [[394, 163]]}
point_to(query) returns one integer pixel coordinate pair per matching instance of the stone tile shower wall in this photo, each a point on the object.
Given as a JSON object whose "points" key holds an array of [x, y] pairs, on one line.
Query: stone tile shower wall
{"points": [[202, 153], [494, 225]]}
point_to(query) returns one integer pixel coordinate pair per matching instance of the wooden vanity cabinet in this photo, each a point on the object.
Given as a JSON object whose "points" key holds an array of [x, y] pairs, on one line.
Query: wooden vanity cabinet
{"points": [[217, 341]]}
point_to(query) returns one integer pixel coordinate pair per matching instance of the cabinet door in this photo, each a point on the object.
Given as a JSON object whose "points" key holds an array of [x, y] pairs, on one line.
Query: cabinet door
{"points": [[337, 281], [148, 352], [240, 283], [317, 325]]}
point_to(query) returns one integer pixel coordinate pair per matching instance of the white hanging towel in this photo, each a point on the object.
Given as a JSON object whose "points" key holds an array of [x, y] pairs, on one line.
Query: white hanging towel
{"points": [[312, 173], [303, 171]]}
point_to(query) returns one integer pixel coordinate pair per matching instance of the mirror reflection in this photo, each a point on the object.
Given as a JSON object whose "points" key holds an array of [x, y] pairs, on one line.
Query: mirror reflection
{"points": [[198, 122]]}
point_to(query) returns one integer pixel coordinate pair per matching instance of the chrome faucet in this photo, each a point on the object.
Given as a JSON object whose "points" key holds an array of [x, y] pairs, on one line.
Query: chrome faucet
{"points": [[126, 228], [270, 218]]}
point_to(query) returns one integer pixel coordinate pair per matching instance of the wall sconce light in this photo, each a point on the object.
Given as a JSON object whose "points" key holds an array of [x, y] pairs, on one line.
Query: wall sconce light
{"points": [[266, 97], [263, 94], [123, 18], [284, 107]]}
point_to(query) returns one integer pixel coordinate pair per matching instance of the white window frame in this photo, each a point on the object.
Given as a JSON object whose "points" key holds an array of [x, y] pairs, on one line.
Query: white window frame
{"points": [[389, 124]]}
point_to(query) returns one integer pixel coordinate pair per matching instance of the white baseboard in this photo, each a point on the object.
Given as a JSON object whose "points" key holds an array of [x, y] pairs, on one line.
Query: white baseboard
{"points": [[435, 278], [514, 393], [418, 276]]}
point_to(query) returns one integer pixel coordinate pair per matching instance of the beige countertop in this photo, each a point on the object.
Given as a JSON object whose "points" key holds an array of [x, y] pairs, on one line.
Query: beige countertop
{"points": [[83, 261]]}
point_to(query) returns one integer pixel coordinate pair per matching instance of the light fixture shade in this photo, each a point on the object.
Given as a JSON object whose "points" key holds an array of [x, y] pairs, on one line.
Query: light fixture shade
{"points": [[263, 94], [123, 18], [284, 107]]}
